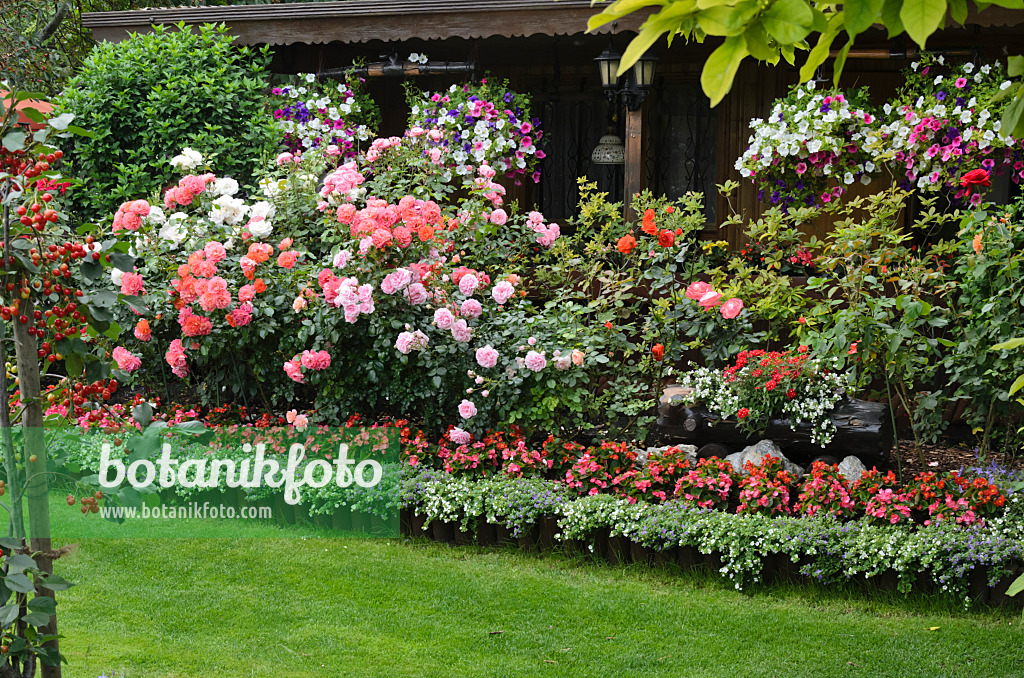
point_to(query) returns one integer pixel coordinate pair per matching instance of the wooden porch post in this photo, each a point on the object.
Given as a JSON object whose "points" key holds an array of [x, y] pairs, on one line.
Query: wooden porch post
{"points": [[636, 172]]}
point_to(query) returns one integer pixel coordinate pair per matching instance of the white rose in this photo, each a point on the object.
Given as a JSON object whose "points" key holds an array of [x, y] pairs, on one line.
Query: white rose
{"points": [[225, 186], [116, 275], [260, 229]]}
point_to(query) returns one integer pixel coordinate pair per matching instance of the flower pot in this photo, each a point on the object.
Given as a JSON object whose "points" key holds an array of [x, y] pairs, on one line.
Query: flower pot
{"points": [[997, 593], [443, 532], [687, 557], [618, 552], [529, 538], [486, 534], [503, 535], [712, 561], [416, 525], [600, 542], [462, 538], [548, 528], [641, 554]]}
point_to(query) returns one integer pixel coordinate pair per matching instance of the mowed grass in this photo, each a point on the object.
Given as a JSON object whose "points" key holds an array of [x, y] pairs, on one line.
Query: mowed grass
{"points": [[343, 607]]}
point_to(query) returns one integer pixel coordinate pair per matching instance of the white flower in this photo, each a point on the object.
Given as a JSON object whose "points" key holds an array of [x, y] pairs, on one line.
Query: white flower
{"points": [[116, 275], [309, 77], [156, 215], [225, 186], [187, 161], [986, 69], [228, 210], [1005, 84], [968, 67], [260, 228], [174, 229]]}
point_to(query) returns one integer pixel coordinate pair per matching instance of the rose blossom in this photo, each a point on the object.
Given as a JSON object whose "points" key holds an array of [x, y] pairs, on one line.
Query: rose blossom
{"points": [[471, 308], [487, 356], [710, 299], [697, 289], [731, 308], [175, 357], [535, 361], [125, 359], [461, 331], [467, 410], [131, 284], [468, 284], [502, 291], [293, 368], [316, 360], [416, 294], [142, 331], [444, 318], [459, 436]]}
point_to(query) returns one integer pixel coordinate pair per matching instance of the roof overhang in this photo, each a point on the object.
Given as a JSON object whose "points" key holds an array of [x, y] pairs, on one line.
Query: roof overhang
{"points": [[354, 21]]}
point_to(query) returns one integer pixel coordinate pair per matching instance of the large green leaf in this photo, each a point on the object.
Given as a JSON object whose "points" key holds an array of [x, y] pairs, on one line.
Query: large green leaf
{"points": [[1009, 344], [861, 14], [1013, 116], [819, 53], [789, 21], [720, 68], [921, 18], [891, 17], [619, 9], [1016, 587], [1015, 66], [958, 11]]}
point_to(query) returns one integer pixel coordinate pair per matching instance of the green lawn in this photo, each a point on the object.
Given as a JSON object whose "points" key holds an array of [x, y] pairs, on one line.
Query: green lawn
{"points": [[342, 607]]}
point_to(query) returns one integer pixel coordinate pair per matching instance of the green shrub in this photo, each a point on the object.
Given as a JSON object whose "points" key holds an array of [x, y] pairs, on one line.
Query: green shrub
{"points": [[150, 96]]}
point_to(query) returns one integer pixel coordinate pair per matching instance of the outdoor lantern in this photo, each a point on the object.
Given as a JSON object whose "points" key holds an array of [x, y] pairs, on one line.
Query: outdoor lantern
{"points": [[608, 66], [609, 151], [643, 71]]}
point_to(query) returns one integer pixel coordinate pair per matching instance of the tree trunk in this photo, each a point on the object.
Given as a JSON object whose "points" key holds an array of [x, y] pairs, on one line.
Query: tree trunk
{"points": [[37, 488]]}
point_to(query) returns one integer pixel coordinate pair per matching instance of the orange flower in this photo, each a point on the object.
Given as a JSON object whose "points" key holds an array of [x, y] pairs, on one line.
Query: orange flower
{"points": [[184, 271], [853, 348], [977, 244], [260, 285], [626, 244], [649, 227], [658, 351], [670, 209], [666, 238]]}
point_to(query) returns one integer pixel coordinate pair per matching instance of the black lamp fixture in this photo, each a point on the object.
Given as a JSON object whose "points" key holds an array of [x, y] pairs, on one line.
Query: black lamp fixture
{"points": [[636, 82]]}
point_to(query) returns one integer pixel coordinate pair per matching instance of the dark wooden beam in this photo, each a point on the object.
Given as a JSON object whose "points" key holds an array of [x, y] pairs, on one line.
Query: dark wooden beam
{"points": [[636, 169]]}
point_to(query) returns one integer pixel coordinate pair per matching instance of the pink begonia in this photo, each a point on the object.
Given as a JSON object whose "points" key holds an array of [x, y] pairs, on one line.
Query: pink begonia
{"points": [[459, 437], [215, 252], [316, 360], [240, 316], [125, 359], [175, 357], [461, 332], [503, 291], [471, 308], [411, 341], [710, 299], [535, 361], [131, 284], [697, 289], [298, 304], [487, 356], [396, 281], [731, 308], [468, 284], [416, 294], [499, 217], [444, 318], [341, 259], [467, 410], [293, 368]]}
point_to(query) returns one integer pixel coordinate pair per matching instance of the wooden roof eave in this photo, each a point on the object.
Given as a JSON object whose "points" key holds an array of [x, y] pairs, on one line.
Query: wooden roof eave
{"points": [[357, 21]]}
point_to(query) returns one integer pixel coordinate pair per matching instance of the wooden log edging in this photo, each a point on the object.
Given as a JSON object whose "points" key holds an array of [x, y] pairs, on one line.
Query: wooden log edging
{"points": [[778, 568]]}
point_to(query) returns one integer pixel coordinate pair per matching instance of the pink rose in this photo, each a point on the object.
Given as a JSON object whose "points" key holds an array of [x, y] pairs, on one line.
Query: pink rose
{"points": [[443, 318], [502, 291], [536, 361], [468, 284], [499, 217], [697, 289], [467, 410], [487, 356], [461, 332], [471, 308], [710, 299], [126, 360], [459, 437], [131, 284], [293, 368], [731, 308]]}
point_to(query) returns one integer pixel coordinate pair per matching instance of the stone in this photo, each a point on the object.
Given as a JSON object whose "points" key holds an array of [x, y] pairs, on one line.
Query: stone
{"points": [[852, 469], [642, 456], [756, 453]]}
